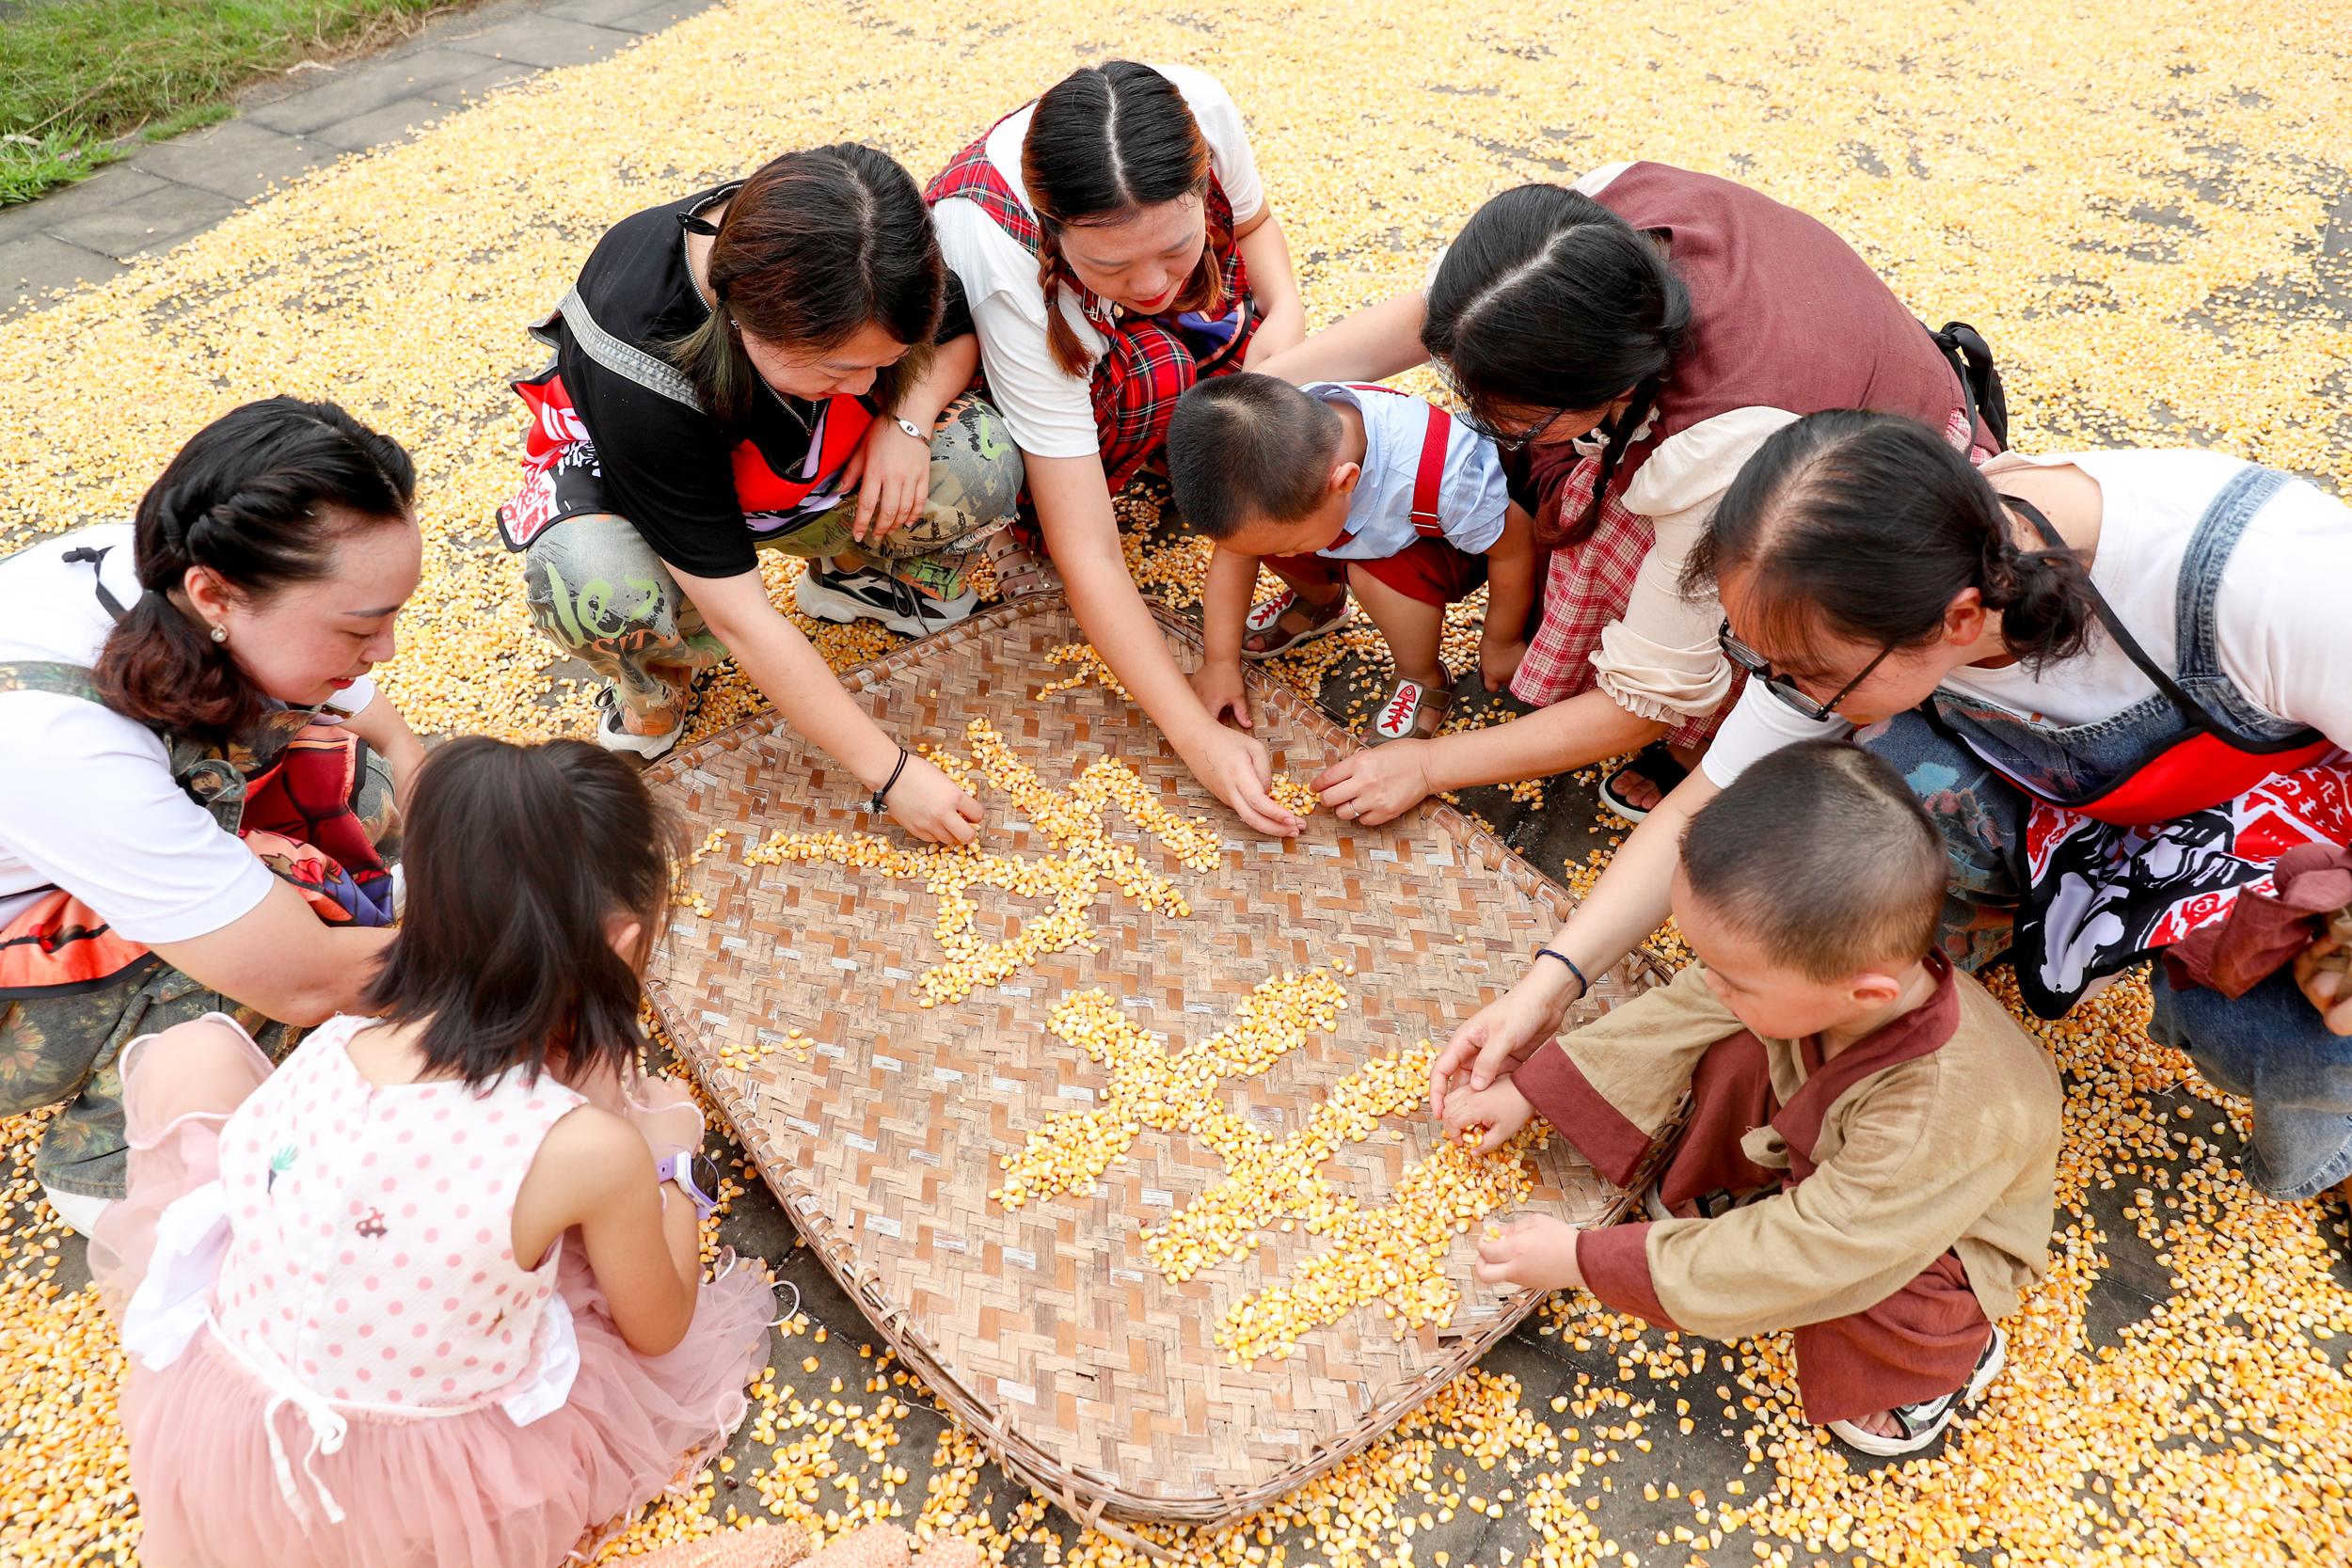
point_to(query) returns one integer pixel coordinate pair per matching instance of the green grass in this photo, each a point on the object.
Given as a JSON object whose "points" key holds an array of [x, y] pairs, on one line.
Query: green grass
{"points": [[79, 76]]}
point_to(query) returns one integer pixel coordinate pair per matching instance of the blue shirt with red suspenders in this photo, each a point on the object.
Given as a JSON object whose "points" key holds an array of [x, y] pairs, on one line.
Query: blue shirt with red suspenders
{"points": [[1425, 476]]}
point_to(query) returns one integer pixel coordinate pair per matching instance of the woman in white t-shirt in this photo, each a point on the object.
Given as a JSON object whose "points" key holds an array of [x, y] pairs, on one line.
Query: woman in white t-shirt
{"points": [[1116, 246], [2115, 680], [180, 834]]}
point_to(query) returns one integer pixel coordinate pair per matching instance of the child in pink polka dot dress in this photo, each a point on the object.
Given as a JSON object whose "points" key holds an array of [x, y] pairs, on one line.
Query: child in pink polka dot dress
{"points": [[429, 1294]]}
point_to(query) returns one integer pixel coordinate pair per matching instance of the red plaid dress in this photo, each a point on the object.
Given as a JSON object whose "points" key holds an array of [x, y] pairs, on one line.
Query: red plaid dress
{"points": [[1591, 583], [1151, 361]]}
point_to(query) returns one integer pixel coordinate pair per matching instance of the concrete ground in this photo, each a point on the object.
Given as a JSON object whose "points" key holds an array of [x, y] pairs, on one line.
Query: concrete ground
{"points": [[172, 190]]}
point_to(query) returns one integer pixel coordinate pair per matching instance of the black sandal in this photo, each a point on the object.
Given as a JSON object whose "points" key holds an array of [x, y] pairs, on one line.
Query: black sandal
{"points": [[1653, 762]]}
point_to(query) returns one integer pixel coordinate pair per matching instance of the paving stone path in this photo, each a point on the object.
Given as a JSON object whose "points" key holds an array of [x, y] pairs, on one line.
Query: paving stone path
{"points": [[170, 190]]}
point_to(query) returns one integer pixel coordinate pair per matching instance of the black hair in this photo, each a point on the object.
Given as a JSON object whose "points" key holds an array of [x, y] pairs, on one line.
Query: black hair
{"points": [[1822, 854], [1547, 299], [1103, 142], [1247, 447], [1870, 524], [516, 858], [261, 498], [813, 246]]}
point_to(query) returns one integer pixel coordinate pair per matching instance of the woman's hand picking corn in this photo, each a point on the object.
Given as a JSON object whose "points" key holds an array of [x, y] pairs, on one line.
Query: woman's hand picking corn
{"points": [[933, 806]]}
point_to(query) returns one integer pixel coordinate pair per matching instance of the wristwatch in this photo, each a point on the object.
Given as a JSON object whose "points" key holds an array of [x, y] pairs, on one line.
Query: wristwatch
{"points": [[694, 1175], [909, 426]]}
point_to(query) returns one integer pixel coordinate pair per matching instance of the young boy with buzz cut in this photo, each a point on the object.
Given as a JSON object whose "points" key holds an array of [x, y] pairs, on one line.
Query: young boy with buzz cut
{"points": [[1871, 1154], [1346, 489]]}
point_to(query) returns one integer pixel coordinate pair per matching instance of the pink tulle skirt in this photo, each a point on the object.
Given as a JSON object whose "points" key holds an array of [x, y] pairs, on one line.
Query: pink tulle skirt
{"points": [[433, 1491]]}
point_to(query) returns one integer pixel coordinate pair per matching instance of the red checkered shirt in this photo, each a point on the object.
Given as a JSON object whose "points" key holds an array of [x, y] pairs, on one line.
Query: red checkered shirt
{"points": [[1591, 584]]}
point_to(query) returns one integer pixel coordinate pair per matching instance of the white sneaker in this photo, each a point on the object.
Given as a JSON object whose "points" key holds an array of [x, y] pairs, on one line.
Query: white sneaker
{"points": [[613, 735], [869, 594], [1925, 1421], [81, 1214]]}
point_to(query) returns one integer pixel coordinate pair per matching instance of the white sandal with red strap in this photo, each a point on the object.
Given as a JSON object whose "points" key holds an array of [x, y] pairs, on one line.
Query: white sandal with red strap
{"points": [[1399, 715]]}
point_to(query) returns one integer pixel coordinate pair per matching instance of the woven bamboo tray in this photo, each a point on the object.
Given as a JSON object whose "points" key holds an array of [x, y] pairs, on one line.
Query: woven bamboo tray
{"points": [[1047, 1330]]}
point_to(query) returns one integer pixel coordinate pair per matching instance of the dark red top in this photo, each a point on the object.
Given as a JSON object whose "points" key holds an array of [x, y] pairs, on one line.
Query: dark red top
{"points": [[1784, 313]]}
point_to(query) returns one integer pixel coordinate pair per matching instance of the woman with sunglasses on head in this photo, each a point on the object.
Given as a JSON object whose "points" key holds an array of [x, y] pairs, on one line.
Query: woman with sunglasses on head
{"points": [[1629, 340], [778, 363], [2115, 681], [1117, 245]]}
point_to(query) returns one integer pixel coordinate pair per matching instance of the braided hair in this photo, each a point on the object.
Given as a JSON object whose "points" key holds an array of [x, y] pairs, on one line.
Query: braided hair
{"points": [[258, 499], [1104, 141], [1548, 299], [1871, 524]]}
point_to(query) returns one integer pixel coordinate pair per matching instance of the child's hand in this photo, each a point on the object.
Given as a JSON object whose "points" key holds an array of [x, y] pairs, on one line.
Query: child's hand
{"points": [[933, 806], [1500, 1108], [1219, 686], [1532, 1252], [1498, 658]]}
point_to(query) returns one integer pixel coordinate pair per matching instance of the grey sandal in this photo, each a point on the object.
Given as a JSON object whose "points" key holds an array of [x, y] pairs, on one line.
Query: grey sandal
{"points": [[1266, 621], [1402, 713]]}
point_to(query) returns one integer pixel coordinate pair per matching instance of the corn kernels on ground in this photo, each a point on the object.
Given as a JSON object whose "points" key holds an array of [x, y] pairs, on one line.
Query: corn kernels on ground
{"points": [[2140, 203]]}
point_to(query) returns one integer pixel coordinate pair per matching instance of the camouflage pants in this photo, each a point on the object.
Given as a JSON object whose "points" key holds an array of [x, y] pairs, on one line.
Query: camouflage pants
{"points": [[67, 1048], [596, 589]]}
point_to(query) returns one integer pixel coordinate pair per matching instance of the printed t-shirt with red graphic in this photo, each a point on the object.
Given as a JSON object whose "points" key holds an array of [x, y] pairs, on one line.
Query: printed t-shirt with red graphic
{"points": [[691, 490]]}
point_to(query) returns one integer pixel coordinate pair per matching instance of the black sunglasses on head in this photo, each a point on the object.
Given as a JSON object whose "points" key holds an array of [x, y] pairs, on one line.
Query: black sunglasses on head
{"points": [[1785, 686]]}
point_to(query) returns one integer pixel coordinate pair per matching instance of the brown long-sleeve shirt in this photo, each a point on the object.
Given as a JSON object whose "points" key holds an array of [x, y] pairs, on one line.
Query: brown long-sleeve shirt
{"points": [[1939, 1132]]}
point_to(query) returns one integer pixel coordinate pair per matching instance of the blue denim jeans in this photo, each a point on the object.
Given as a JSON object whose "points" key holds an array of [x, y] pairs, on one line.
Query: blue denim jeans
{"points": [[2270, 1046]]}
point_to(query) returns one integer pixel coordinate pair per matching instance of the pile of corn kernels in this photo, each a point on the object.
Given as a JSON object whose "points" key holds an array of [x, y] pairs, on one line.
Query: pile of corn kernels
{"points": [[2141, 204], [1085, 666], [1151, 1088], [1393, 1253], [1085, 861]]}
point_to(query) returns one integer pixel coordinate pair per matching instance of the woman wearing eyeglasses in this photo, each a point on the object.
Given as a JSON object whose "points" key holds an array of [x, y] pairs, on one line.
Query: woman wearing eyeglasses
{"points": [[1631, 339], [2115, 681]]}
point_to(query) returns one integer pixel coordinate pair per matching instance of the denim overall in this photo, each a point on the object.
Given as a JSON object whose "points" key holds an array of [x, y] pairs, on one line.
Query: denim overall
{"points": [[1967, 761]]}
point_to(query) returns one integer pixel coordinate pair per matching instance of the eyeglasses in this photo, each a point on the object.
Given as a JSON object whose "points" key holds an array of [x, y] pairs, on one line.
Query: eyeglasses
{"points": [[1785, 686], [1516, 440], [1504, 440]]}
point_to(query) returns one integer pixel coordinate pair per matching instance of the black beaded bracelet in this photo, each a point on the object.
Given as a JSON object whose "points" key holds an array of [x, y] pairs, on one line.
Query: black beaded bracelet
{"points": [[1585, 986], [880, 800]]}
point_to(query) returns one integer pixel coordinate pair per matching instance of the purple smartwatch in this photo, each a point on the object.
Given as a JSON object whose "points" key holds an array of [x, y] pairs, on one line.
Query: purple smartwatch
{"points": [[695, 1176]]}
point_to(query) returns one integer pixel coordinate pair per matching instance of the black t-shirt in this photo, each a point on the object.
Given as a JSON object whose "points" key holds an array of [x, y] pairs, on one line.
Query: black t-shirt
{"points": [[666, 468]]}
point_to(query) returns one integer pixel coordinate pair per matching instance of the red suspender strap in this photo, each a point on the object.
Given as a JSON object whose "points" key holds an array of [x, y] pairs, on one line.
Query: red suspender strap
{"points": [[1429, 474]]}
